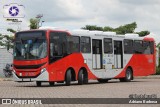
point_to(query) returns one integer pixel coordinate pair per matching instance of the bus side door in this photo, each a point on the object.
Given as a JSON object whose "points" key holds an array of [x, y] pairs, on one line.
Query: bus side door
{"points": [[118, 55]]}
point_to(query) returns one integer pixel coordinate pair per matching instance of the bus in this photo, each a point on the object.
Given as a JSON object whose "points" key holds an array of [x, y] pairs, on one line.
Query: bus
{"points": [[62, 56]]}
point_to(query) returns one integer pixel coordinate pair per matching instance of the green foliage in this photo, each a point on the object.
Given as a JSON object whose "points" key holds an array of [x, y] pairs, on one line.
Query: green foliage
{"points": [[143, 33], [158, 45], [127, 28], [11, 30], [92, 27], [7, 39], [107, 28], [33, 23], [157, 70]]}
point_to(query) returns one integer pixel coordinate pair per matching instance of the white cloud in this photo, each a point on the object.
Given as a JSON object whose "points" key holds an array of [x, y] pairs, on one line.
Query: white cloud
{"points": [[77, 13], [156, 37]]}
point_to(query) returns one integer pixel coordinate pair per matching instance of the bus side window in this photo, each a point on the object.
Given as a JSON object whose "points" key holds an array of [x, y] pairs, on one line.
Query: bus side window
{"points": [[108, 48], [85, 44], [58, 45], [55, 45], [138, 46], [152, 47], [73, 44], [146, 47], [128, 46]]}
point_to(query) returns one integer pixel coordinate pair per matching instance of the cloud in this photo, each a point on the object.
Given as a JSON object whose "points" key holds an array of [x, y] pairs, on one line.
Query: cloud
{"points": [[78, 13], [155, 36]]}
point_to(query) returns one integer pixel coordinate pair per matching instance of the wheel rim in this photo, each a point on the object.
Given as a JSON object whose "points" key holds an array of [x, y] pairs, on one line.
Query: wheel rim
{"points": [[128, 74]]}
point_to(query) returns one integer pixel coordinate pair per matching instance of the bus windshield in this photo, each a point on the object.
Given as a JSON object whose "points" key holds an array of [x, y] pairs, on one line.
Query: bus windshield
{"points": [[30, 45]]}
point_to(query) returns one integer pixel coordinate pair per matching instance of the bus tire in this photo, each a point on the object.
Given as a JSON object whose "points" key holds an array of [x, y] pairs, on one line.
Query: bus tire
{"points": [[39, 83], [51, 83], [128, 76], [80, 77], [68, 77], [102, 80]]}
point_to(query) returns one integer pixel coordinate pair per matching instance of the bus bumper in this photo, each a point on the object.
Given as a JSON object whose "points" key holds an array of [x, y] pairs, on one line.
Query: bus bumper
{"points": [[44, 76]]}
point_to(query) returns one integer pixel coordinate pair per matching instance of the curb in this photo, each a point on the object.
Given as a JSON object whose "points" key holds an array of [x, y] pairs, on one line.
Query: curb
{"points": [[148, 77], [138, 77], [5, 79]]}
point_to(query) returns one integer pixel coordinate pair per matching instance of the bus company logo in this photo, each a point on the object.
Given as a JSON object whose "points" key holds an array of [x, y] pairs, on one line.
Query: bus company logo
{"points": [[13, 10]]}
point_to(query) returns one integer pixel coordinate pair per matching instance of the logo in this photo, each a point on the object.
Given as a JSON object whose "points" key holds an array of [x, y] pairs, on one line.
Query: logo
{"points": [[13, 10], [6, 101]]}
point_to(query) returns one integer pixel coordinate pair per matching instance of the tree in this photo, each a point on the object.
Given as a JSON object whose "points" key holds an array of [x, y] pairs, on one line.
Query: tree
{"points": [[107, 28], [7, 39], [127, 28], [143, 33], [33, 23], [11, 30], [92, 27]]}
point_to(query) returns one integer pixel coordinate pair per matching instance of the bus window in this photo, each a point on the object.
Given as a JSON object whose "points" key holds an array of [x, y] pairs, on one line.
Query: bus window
{"points": [[138, 47], [58, 47], [152, 47], [146, 47], [108, 48], [85, 45], [73, 44], [128, 46]]}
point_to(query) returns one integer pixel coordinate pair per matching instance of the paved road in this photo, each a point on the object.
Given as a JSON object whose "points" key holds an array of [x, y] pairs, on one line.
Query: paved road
{"points": [[113, 89]]}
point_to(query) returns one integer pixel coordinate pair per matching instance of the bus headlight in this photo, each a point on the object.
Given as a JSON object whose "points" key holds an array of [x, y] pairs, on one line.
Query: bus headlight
{"points": [[43, 70]]}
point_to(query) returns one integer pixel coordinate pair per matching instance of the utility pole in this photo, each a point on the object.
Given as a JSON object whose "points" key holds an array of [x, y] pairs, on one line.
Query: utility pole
{"points": [[38, 17]]}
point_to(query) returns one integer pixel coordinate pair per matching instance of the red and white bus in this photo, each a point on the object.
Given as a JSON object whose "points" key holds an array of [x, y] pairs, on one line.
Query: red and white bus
{"points": [[51, 55]]}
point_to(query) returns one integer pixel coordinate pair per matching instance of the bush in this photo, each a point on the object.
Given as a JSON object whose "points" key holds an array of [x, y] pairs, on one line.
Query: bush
{"points": [[157, 70]]}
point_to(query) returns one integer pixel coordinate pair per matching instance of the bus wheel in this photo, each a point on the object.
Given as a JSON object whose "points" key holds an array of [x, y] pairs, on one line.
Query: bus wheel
{"points": [[102, 80], [38, 83], [80, 77], [128, 76], [68, 77], [51, 83]]}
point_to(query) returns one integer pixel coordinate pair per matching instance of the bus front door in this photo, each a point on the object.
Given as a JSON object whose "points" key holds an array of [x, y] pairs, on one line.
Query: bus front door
{"points": [[118, 55], [97, 53]]}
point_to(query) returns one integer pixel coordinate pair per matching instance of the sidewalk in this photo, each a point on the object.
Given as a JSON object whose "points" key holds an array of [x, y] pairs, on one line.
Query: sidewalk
{"points": [[5, 79], [148, 77], [139, 77]]}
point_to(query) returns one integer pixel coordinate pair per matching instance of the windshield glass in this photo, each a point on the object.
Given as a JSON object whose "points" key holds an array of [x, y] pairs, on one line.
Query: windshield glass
{"points": [[30, 45]]}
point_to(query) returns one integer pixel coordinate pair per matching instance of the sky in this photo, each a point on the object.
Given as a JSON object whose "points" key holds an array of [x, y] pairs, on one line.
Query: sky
{"points": [[74, 14]]}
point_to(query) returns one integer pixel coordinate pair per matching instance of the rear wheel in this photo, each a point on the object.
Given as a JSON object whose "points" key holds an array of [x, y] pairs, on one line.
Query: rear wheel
{"points": [[51, 83], [102, 80], [39, 83], [128, 76], [82, 77], [68, 77]]}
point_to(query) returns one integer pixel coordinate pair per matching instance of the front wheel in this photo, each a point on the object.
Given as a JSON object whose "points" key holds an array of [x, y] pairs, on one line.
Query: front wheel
{"points": [[128, 76]]}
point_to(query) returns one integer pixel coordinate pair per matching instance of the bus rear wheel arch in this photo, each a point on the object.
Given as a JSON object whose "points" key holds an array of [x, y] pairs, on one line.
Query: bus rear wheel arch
{"points": [[128, 75], [82, 76]]}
